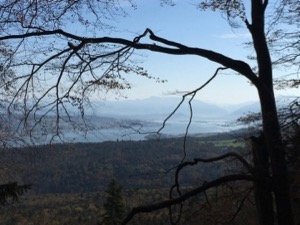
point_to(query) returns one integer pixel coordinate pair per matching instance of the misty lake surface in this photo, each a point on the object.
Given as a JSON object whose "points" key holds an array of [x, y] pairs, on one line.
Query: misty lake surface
{"points": [[149, 129], [140, 120]]}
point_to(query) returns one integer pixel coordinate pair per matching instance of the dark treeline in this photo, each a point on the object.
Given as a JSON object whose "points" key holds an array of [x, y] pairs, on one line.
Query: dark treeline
{"points": [[89, 167]]}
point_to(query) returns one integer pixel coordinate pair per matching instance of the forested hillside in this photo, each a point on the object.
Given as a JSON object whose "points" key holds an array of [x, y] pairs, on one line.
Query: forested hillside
{"points": [[88, 167], [68, 180]]}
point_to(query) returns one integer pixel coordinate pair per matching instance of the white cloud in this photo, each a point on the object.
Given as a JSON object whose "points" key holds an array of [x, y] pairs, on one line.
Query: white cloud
{"points": [[233, 35]]}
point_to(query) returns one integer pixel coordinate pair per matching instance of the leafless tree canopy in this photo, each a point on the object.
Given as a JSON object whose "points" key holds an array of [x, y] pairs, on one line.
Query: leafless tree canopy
{"points": [[47, 67], [284, 42], [44, 70]]}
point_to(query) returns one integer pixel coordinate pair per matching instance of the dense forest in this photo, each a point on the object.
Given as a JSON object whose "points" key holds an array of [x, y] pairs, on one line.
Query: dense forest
{"points": [[88, 167], [68, 180]]}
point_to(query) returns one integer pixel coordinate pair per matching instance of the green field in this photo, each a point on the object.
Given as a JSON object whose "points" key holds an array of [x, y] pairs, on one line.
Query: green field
{"points": [[229, 143]]}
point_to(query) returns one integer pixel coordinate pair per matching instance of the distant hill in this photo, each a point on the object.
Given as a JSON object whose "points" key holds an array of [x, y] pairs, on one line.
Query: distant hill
{"points": [[156, 107], [134, 119], [246, 109], [89, 167]]}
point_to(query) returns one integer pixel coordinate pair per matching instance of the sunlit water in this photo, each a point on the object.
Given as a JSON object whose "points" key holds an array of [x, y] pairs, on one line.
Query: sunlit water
{"points": [[144, 131]]}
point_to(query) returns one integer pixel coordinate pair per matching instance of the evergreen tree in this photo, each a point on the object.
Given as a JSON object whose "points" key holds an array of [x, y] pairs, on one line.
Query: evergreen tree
{"points": [[114, 205], [12, 191]]}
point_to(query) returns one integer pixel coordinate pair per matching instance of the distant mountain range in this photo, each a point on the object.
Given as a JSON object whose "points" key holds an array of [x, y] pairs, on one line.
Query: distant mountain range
{"points": [[159, 107], [136, 119]]}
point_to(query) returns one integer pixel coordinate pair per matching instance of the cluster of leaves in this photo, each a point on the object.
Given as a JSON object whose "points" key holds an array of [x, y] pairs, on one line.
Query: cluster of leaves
{"points": [[232, 9], [289, 116], [45, 14], [284, 42]]}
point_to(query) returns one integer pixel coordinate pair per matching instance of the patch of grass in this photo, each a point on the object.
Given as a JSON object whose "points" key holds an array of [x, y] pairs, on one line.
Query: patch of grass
{"points": [[229, 143]]}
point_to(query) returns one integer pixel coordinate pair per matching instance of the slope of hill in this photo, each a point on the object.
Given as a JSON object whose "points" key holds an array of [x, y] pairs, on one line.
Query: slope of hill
{"points": [[89, 167]]}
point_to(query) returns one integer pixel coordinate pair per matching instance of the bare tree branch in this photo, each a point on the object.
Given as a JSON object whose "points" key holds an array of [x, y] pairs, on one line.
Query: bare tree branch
{"points": [[236, 65], [187, 195]]}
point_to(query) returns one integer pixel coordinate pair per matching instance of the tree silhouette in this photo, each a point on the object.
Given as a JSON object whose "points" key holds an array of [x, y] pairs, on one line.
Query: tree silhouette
{"points": [[114, 205], [12, 191]]}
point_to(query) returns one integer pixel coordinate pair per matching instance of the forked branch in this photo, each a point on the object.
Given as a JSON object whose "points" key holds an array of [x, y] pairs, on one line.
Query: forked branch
{"points": [[169, 47], [187, 195]]}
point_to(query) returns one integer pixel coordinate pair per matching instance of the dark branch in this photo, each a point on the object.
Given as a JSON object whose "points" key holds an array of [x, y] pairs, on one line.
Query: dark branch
{"points": [[197, 160], [187, 195], [213, 159], [191, 93], [174, 48]]}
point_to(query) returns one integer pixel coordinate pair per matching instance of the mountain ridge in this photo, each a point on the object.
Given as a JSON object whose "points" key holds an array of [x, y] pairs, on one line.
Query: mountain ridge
{"points": [[164, 106]]}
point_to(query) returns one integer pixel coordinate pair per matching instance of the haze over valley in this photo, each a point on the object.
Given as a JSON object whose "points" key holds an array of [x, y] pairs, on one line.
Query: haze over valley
{"points": [[141, 119]]}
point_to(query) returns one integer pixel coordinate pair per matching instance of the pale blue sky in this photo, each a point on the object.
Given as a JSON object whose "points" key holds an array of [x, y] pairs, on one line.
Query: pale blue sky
{"points": [[186, 24]]}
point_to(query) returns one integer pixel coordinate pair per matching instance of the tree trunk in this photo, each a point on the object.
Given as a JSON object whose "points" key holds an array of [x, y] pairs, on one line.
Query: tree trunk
{"points": [[262, 191], [271, 130], [271, 127]]}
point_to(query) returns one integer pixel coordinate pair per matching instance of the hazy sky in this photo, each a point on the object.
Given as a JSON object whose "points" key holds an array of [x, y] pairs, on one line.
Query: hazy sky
{"points": [[190, 26]]}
